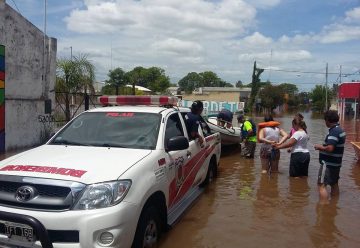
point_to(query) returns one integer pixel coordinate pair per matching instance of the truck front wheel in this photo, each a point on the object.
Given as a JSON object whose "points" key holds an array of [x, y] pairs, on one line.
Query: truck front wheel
{"points": [[148, 230]]}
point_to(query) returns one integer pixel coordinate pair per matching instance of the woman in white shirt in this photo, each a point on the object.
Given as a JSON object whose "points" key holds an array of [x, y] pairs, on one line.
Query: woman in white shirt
{"points": [[300, 155], [268, 136]]}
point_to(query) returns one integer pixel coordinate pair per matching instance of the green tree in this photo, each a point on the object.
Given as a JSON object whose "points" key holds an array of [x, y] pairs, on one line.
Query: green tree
{"points": [[209, 79], [239, 84], [288, 88], [291, 91], [271, 96], [153, 78], [73, 76], [318, 97], [116, 79], [156, 79], [190, 82]]}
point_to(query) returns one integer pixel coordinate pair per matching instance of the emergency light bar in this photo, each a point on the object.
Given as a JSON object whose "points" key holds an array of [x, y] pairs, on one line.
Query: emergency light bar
{"points": [[138, 100]]}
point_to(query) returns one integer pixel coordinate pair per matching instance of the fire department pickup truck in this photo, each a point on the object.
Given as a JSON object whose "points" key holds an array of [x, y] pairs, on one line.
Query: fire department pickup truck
{"points": [[115, 176]]}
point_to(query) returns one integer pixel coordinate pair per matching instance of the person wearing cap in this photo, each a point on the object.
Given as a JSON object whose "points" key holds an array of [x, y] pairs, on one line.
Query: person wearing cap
{"points": [[193, 121], [248, 132], [225, 116]]}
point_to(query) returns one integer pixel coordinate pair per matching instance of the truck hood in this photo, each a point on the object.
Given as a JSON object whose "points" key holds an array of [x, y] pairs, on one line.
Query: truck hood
{"points": [[74, 163]]}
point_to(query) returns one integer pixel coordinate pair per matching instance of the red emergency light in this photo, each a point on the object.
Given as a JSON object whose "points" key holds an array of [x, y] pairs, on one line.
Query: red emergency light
{"points": [[138, 100]]}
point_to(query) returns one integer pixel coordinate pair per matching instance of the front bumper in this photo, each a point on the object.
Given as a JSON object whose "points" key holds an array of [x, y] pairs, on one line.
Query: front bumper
{"points": [[83, 227]]}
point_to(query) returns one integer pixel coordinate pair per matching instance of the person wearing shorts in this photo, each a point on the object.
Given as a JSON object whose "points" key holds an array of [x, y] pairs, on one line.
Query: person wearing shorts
{"points": [[269, 156], [300, 155], [330, 156]]}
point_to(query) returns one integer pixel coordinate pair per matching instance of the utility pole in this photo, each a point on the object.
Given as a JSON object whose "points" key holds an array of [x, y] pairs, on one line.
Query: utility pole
{"points": [[340, 74], [71, 57], [326, 88], [271, 54]]}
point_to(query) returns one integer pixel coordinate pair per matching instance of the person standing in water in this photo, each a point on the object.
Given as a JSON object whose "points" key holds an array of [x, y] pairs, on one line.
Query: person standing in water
{"points": [[300, 155], [269, 136], [330, 156]]}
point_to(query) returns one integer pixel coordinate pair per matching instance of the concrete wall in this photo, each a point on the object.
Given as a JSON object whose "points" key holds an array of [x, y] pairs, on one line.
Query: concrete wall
{"points": [[29, 78]]}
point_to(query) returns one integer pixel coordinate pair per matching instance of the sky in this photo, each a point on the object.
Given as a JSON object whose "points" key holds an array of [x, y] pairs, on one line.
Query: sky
{"points": [[292, 40]]}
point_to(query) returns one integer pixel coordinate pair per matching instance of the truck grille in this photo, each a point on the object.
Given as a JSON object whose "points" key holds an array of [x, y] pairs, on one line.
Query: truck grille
{"points": [[38, 193]]}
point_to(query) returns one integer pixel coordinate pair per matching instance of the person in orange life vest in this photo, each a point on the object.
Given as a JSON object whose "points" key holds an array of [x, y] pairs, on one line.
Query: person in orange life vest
{"points": [[269, 136]]}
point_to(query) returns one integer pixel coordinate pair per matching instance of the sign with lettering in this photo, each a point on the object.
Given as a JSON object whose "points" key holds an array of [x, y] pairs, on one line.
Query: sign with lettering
{"points": [[214, 107]]}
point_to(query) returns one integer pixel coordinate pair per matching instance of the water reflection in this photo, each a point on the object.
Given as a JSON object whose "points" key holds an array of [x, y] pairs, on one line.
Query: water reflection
{"points": [[325, 232]]}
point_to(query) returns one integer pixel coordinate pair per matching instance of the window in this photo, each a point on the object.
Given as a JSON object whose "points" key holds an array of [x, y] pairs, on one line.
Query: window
{"points": [[173, 128], [112, 129]]}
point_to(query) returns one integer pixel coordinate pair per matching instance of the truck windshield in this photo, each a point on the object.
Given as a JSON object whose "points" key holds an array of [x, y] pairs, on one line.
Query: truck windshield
{"points": [[111, 129]]}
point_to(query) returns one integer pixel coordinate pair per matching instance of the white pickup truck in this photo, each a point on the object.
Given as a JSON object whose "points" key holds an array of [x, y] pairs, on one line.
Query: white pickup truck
{"points": [[115, 176]]}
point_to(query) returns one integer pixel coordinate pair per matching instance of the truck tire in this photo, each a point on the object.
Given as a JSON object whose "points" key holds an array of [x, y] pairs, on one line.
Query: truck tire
{"points": [[148, 230], [211, 173]]}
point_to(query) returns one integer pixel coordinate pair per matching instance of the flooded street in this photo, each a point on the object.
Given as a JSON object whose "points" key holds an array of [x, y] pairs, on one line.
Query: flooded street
{"points": [[244, 208]]}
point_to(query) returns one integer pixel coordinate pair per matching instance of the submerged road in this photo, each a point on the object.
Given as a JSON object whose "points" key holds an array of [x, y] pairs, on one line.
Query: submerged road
{"points": [[244, 208]]}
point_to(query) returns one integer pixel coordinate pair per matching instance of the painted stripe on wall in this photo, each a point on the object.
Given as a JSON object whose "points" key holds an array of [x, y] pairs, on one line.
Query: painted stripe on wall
{"points": [[2, 98], [2, 120], [2, 63]]}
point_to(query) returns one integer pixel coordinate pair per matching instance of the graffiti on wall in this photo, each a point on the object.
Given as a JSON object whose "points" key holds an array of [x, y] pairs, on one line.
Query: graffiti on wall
{"points": [[2, 98]]}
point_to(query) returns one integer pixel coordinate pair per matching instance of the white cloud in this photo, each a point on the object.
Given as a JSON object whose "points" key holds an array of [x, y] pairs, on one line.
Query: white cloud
{"points": [[257, 39], [278, 56], [353, 15], [263, 4], [337, 33], [184, 18], [176, 46]]}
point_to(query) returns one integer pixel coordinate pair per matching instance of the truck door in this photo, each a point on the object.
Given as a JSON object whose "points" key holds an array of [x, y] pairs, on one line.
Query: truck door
{"points": [[177, 172], [196, 154]]}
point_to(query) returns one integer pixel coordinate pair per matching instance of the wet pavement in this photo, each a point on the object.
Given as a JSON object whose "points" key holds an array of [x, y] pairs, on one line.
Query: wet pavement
{"points": [[244, 208]]}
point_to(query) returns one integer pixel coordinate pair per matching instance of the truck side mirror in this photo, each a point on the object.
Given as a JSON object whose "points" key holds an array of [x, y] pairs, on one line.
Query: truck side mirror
{"points": [[177, 143]]}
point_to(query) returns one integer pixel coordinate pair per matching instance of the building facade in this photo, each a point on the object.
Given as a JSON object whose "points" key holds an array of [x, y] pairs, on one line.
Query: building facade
{"points": [[348, 100], [30, 71], [230, 94]]}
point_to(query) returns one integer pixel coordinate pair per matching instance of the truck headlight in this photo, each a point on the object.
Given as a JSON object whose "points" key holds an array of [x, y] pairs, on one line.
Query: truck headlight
{"points": [[102, 195]]}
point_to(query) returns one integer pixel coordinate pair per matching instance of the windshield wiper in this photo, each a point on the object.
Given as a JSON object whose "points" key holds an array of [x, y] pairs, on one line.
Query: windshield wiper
{"points": [[67, 142]]}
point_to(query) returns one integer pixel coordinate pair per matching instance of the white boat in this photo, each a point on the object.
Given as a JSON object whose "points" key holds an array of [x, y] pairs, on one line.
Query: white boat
{"points": [[229, 136]]}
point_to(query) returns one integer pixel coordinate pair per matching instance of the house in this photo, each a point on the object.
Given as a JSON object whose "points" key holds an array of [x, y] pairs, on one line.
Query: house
{"points": [[348, 99]]}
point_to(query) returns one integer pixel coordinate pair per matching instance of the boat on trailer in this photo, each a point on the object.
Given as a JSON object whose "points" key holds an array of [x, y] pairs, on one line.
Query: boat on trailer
{"points": [[229, 136]]}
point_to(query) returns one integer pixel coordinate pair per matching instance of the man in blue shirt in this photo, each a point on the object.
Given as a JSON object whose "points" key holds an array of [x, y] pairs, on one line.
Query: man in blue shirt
{"points": [[193, 120], [330, 156], [225, 116]]}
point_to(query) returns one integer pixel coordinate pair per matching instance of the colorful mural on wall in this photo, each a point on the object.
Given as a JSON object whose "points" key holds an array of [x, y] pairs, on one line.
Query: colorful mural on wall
{"points": [[2, 98]]}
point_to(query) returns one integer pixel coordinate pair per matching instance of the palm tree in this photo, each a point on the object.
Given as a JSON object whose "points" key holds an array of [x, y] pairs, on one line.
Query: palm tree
{"points": [[73, 76]]}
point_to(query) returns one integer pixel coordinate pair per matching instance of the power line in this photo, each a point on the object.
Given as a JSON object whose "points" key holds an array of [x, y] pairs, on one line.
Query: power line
{"points": [[305, 72]]}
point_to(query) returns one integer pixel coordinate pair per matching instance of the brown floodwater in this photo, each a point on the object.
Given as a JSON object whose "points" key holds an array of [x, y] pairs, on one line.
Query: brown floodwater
{"points": [[244, 208]]}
